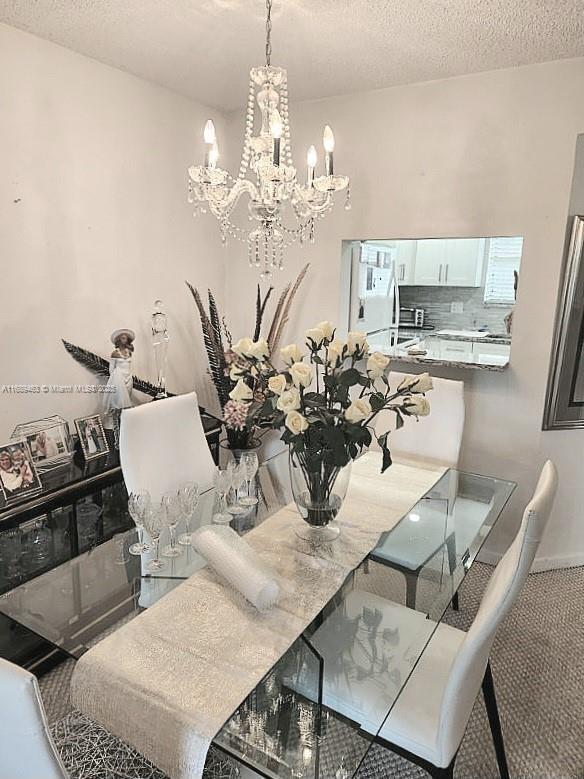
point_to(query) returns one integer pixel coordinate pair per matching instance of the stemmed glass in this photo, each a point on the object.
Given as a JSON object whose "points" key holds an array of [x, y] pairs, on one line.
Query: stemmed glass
{"points": [[138, 505], [222, 481], [250, 464], [237, 479], [188, 498], [153, 522], [171, 514]]}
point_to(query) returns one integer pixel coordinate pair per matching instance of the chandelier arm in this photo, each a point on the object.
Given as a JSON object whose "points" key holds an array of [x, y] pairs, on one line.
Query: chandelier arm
{"points": [[314, 202], [225, 205]]}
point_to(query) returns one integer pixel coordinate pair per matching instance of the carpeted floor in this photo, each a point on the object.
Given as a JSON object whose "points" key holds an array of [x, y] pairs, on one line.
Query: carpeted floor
{"points": [[538, 666]]}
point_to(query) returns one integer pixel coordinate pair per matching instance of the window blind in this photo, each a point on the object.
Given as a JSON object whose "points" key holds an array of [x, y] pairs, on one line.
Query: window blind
{"points": [[503, 258]]}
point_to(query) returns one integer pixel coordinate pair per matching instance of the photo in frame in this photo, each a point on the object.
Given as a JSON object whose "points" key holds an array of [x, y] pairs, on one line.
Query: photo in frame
{"points": [[18, 474], [49, 441], [92, 436]]}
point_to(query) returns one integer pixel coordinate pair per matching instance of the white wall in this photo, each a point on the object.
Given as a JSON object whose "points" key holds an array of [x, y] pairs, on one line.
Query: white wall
{"points": [[488, 154], [94, 223], [94, 226]]}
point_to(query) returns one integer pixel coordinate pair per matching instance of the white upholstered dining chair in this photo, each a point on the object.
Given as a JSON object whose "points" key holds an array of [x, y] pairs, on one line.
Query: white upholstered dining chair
{"points": [[428, 721], [27, 749], [436, 438], [163, 445]]}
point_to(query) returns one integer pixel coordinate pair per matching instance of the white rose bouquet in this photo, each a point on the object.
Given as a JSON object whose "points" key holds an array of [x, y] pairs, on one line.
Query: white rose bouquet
{"points": [[325, 400]]}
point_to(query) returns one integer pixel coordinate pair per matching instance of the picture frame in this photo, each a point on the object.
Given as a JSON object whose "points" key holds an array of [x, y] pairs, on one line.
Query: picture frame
{"points": [[49, 441], [92, 436], [18, 475], [564, 408]]}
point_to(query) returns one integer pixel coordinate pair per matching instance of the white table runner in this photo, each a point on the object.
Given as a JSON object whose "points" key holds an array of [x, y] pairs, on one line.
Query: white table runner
{"points": [[167, 681]]}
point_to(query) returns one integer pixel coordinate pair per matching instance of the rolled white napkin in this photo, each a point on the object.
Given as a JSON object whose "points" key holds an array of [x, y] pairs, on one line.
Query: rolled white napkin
{"points": [[237, 562]]}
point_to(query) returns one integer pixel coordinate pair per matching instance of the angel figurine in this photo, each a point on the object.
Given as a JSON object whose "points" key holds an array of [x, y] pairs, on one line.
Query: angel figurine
{"points": [[118, 394]]}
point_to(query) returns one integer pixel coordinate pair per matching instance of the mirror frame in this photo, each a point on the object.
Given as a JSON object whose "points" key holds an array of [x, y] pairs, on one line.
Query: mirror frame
{"points": [[562, 365]]}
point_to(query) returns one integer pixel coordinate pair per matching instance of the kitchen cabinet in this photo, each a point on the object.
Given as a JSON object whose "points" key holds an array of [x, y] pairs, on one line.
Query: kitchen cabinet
{"points": [[405, 262], [429, 262], [449, 262], [490, 353], [464, 262], [455, 350]]}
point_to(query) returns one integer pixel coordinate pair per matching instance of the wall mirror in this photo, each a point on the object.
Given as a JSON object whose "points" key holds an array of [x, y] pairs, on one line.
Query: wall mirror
{"points": [[565, 394], [450, 298], [564, 407]]}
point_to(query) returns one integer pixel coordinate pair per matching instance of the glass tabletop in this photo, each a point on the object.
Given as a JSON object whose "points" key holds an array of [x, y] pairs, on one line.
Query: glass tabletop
{"points": [[80, 601], [319, 709]]}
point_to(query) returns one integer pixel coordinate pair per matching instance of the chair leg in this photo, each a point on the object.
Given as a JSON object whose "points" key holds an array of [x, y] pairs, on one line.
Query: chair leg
{"points": [[495, 722], [442, 773], [451, 550]]}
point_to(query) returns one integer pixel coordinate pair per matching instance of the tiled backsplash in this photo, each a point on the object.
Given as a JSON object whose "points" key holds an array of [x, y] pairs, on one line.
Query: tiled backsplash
{"points": [[437, 301]]}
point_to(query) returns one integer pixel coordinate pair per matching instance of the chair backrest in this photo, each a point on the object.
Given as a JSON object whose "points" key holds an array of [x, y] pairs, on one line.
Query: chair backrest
{"points": [[468, 668], [163, 445], [26, 747], [436, 437]]}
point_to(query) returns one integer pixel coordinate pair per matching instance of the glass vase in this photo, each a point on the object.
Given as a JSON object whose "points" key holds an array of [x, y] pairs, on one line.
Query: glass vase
{"points": [[319, 490]]}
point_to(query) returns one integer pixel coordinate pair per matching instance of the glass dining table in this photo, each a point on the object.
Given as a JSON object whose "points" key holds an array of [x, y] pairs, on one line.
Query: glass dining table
{"points": [[319, 710]]}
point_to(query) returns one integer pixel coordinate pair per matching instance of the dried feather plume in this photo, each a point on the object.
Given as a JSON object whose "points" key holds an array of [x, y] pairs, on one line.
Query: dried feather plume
{"points": [[210, 324], [99, 366], [260, 311], [282, 312], [215, 330]]}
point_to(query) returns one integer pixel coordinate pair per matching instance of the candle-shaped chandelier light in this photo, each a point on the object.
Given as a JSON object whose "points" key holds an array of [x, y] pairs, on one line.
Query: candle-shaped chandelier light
{"points": [[267, 155]]}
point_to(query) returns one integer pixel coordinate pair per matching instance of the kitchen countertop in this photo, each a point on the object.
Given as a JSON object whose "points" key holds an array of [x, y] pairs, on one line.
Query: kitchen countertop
{"points": [[433, 356], [498, 338], [427, 359]]}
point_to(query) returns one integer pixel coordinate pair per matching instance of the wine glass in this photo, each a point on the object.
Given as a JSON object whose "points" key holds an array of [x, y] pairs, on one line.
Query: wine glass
{"points": [[237, 480], [250, 463], [222, 481], [138, 505], [171, 514], [188, 498], [153, 522]]}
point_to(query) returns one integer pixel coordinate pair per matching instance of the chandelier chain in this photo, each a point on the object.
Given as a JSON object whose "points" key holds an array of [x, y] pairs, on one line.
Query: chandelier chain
{"points": [[268, 32]]}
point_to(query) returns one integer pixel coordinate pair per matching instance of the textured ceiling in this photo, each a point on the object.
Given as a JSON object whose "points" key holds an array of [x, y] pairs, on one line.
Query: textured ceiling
{"points": [[204, 48]]}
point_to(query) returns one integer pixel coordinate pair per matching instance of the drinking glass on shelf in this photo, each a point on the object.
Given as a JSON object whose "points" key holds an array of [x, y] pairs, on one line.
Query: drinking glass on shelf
{"points": [[171, 514], [12, 542], [40, 543], [222, 481], [188, 498], [121, 556], [138, 505], [153, 525], [250, 464], [237, 481]]}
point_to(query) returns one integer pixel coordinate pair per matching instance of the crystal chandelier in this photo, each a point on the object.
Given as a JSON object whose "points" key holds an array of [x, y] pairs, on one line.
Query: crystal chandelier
{"points": [[267, 156]]}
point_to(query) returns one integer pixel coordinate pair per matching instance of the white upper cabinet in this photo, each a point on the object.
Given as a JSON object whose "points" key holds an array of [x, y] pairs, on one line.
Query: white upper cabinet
{"points": [[405, 262], [464, 262], [430, 261], [449, 262]]}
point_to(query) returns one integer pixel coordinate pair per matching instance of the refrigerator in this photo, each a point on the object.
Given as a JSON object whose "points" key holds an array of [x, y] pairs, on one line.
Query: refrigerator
{"points": [[375, 306]]}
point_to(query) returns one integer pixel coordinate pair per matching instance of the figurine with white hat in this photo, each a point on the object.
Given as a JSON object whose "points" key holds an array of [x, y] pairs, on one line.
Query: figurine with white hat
{"points": [[118, 394]]}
